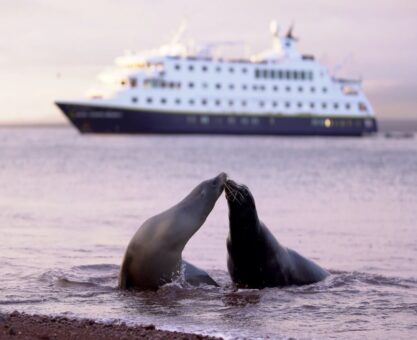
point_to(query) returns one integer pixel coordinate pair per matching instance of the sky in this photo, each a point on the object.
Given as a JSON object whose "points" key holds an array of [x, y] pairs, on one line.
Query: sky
{"points": [[53, 49]]}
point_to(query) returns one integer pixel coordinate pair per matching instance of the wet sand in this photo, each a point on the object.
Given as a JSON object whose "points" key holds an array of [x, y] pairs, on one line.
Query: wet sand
{"points": [[23, 326]]}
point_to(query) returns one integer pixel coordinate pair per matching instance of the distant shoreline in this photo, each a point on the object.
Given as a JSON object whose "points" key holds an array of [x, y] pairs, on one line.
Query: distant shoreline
{"points": [[385, 125], [23, 326]]}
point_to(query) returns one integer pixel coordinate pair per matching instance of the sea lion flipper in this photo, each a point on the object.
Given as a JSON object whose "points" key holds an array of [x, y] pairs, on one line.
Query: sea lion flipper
{"points": [[196, 276]]}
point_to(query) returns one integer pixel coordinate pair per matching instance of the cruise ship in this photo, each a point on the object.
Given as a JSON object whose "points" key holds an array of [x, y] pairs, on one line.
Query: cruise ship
{"points": [[181, 89]]}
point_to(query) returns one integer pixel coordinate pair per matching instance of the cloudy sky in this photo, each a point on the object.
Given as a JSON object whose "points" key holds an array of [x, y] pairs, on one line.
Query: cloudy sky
{"points": [[53, 49]]}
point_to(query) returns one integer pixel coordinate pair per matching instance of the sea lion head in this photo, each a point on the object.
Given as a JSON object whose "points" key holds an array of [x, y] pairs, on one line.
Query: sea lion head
{"points": [[204, 196], [241, 203]]}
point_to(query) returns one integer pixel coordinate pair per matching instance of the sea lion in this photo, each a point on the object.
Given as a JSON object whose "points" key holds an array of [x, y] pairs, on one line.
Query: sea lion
{"points": [[153, 256], [255, 257]]}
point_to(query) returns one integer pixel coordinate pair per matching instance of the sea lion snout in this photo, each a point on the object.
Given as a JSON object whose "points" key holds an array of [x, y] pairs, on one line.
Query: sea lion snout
{"points": [[220, 179]]}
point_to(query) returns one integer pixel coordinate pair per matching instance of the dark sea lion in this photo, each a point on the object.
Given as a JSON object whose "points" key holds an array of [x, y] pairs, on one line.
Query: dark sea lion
{"points": [[154, 255], [255, 257]]}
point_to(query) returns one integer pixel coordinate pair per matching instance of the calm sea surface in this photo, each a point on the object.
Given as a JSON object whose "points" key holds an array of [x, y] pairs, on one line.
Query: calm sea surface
{"points": [[69, 205]]}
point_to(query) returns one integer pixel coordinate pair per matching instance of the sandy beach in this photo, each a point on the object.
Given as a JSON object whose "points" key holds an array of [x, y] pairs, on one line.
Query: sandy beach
{"points": [[23, 326]]}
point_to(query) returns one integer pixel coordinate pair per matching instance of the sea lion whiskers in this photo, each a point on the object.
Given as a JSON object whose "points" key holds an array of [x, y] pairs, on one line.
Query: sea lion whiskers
{"points": [[235, 193], [232, 191]]}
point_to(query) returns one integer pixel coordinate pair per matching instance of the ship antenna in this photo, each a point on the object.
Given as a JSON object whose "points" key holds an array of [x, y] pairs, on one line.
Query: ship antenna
{"points": [[290, 34], [180, 32]]}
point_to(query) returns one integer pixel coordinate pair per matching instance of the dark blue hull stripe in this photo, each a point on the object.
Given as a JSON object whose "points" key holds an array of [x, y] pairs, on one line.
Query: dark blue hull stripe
{"points": [[94, 119]]}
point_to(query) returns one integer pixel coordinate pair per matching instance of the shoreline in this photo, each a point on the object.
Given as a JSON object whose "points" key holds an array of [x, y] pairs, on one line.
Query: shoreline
{"points": [[24, 326]]}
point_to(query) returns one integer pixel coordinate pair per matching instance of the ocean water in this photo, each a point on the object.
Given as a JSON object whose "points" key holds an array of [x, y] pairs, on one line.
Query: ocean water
{"points": [[69, 205]]}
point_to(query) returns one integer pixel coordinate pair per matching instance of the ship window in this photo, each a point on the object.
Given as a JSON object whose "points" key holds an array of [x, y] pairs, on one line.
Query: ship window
{"points": [[255, 87], [163, 101], [312, 105], [310, 75], [275, 88], [257, 73], [254, 120], [274, 104], [177, 101], [288, 74], [191, 67], [295, 74], [149, 100], [300, 89], [204, 101], [348, 106], [262, 88], [324, 105], [192, 119], [265, 73], [191, 101], [231, 86], [231, 120], [302, 75], [313, 89], [177, 67], [134, 99], [280, 74], [336, 106], [204, 68], [244, 70], [218, 86], [272, 74], [300, 105], [261, 104], [362, 107], [288, 89], [133, 82], [324, 89], [230, 102], [244, 87], [205, 120], [218, 69], [217, 102], [287, 104], [231, 70], [190, 85], [243, 102], [244, 121]]}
